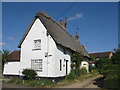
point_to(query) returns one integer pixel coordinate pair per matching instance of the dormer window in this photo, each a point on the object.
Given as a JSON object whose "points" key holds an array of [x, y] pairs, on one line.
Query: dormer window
{"points": [[37, 44]]}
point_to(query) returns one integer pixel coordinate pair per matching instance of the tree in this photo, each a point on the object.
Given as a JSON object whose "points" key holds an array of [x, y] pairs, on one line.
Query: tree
{"points": [[77, 57], [5, 54], [92, 58], [116, 56], [103, 64]]}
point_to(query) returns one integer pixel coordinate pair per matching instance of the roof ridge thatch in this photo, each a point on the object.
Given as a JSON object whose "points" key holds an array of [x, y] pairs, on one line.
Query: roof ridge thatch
{"points": [[58, 33], [46, 15]]}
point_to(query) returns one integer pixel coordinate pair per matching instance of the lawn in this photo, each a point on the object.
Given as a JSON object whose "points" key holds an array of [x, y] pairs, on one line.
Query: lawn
{"points": [[48, 83]]}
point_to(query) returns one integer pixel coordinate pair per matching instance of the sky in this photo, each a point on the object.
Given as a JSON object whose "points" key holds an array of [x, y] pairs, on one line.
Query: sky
{"points": [[97, 22]]}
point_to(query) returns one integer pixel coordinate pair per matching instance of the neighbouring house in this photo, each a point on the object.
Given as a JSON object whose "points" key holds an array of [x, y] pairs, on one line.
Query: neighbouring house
{"points": [[12, 66], [99, 55], [46, 47], [84, 64]]}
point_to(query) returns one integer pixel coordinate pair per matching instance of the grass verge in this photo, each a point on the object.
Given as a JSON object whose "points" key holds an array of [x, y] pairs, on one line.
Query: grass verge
{"points": [[48, 83]]}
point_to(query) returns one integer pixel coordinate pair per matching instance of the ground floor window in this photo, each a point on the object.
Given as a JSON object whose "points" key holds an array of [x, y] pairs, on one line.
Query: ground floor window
{"points": [[60, 64], [36, 64]]}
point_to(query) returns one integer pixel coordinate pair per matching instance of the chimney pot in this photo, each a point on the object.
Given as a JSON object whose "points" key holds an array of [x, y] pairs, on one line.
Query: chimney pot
{"points": [[77, 36], [63, 23]]}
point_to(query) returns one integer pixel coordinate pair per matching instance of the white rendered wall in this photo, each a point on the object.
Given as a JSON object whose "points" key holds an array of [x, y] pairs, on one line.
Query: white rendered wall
{"points": [[11, 68], [37, 31], [85, 64], [51, 64], [60, 55]]}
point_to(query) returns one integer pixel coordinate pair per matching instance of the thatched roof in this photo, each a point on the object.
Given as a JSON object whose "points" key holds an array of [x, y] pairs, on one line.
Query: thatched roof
{"points": [[58, 33]]}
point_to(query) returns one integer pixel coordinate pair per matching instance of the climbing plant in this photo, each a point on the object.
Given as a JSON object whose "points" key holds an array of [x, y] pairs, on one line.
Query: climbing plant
{"points": [[77, 57]]}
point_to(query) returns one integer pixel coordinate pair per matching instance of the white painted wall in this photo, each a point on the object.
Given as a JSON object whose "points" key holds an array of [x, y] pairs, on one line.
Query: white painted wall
{"points": [[85, 64], [38, 31], [60, 55], [11, 68], [51, 64]]}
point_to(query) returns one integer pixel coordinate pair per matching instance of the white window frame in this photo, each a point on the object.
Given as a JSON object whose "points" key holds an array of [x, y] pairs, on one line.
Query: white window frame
{"points": [[37, 64], [35, 44]]}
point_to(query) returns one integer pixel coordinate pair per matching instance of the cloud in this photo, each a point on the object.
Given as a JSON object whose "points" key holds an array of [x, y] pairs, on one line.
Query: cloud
{"points": [[2, 43], [11, 38], [76, 16]]}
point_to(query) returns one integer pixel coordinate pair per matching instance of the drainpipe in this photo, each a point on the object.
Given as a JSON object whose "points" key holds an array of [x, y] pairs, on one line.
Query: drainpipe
{"points": [[47, 53]]}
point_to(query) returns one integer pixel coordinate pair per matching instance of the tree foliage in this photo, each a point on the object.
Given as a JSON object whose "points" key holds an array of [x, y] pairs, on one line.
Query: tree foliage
{"points": [[116, 56], [103, 64], [4, 55], [77, 57], [110, 69]]}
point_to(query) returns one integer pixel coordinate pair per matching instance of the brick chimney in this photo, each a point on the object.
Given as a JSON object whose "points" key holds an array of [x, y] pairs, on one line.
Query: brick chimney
{"points": [[77, 36], [63, 23]]}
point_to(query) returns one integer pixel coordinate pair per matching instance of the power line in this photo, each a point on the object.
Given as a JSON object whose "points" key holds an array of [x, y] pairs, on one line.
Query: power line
{"points": [[71, 5]]}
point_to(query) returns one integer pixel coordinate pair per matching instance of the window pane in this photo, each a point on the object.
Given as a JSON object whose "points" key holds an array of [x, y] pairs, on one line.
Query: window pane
{"points": [[36, 64], [37, 44]]}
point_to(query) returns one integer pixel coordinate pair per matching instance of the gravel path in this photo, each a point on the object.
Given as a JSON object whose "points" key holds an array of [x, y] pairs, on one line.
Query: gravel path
{"points": [[97, 83], [88, 83]]}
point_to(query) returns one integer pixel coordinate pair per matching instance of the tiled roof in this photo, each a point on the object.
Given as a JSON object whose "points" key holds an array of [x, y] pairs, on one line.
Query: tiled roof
{"points": [[15, 55], [100, 54]]}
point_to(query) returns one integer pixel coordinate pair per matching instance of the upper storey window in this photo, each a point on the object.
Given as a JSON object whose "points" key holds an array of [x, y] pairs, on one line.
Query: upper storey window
{"points": [[37, 44]]}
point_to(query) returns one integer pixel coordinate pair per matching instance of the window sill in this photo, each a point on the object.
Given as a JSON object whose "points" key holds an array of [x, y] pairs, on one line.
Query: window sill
{"points": [[35, 49]]}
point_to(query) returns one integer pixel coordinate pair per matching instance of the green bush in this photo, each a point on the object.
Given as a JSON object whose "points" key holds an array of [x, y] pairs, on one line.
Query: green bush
{"points": [[92, 67], [111, 81], [71, 76], [83, 71], [29, 74], [77, 72], [94, 72], [103, 64]]}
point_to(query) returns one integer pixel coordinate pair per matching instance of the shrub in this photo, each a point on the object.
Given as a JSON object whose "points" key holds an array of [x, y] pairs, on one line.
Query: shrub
{"points": [[94, 71], [103, 64], [71, 76], [29, 74], [111, 81], [83, 71], [77, 72], [77, 57], [92, 67]]}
